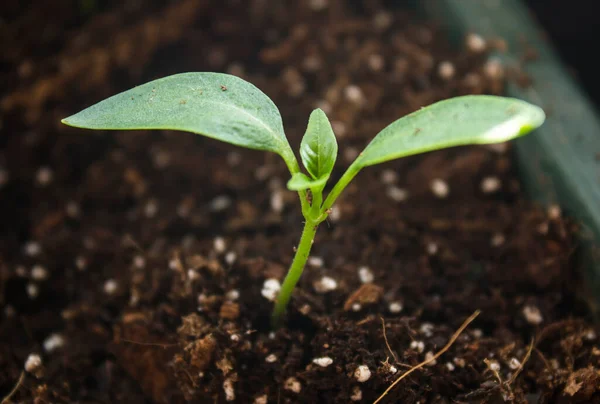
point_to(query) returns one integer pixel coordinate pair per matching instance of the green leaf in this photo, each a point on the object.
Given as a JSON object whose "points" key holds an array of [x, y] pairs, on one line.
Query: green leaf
{"points": [[301, 181], [472, 119], [219, 106], [318, 148]]}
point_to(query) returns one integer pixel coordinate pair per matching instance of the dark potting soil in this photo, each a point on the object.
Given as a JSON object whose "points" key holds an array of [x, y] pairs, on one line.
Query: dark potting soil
{"points": [[134, 264]]}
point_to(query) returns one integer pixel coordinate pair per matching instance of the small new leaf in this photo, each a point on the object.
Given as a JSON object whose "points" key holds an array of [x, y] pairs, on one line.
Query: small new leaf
{"points": [[471, 119], [216, 105], [318, 148], [301, 182]]}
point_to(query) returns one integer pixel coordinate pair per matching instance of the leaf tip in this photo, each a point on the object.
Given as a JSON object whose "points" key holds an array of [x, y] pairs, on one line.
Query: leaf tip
{"points": [[536, 118], [75, 121], [318, 112], [291, 186], [539, 116], [301, 181]]}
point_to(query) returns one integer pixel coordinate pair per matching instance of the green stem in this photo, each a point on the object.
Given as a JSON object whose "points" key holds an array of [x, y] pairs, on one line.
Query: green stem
{"points": [[340, 186], [293, 167], [317, 200], [302, 252]]}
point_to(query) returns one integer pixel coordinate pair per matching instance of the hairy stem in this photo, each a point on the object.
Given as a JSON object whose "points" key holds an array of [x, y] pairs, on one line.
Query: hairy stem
{"points": [[295, 271]]}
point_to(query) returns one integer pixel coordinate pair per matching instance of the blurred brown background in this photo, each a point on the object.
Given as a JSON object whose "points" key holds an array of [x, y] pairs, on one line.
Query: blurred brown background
{"points": [[573, 27]]}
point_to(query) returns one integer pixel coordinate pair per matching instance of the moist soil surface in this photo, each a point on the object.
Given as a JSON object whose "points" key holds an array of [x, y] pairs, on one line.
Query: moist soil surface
{"points": [[133, 264]]}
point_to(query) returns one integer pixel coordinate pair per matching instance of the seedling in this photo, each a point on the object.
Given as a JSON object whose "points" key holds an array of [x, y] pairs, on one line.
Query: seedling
{"points": [[229, 109]]}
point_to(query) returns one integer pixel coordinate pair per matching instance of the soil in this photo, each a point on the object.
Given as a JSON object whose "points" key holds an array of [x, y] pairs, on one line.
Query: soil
{"points": [[133, 263]]}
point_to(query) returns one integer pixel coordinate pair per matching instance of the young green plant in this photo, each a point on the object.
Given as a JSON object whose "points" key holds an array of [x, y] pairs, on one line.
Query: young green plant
{"points": [[229, 109]]}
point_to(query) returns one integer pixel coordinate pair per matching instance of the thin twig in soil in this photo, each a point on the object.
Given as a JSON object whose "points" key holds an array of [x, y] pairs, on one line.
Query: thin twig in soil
{"points": [[129, 240], [365, 320], [387, 344], [488, 363], [434, 357], [558, 326], [505, 387], [523, 362], [543, 358], [14, 390]]}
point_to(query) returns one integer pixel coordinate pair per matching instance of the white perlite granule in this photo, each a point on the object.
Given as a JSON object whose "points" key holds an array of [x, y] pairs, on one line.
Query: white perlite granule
{"points": [[270, 289], [232, 295], [32, 290], [81, 263], [335, 214], [362, 373], [432, 248], [32, 248], [261, 399], [139, 262], [418, 346], [151, 208], [292, 384], [354, 94], [277, 202], [229, 390], [554, 212], [53, 342], [493, 69], [318, 5], [446, 70], [426, 329], [395, 307], [73, 210], [396, 194], [514, 363], [192, 275], [316, 262], [532, 315], [33, 363], [429, 356], [365, 275], [494, 366], [475, 43], [110, 287], [325, 284], [440, 188], [323, 361], [39, 273], [44, 176], [376, 62], [389, 177], [219, 245], [230, 257], [489, 185], [220, 203]]}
